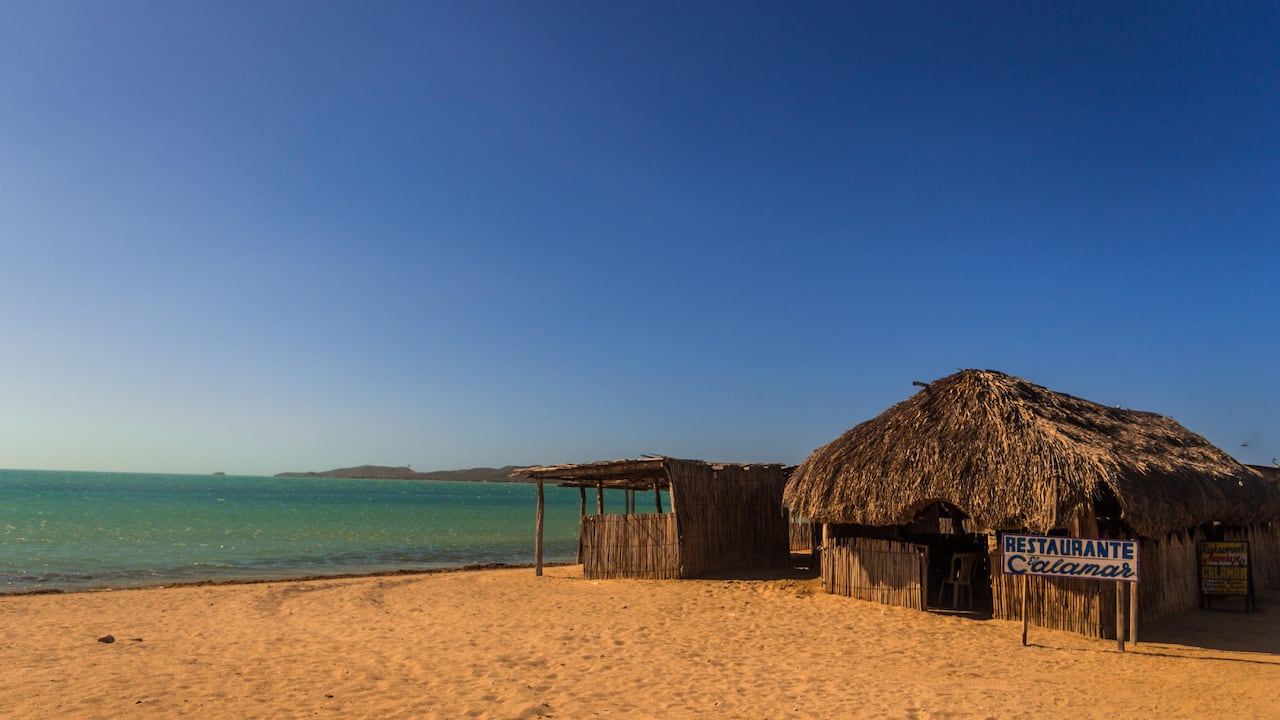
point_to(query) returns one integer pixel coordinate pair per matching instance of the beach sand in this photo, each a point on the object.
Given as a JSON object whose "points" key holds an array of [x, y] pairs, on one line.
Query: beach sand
{"points": [[506, 644]]}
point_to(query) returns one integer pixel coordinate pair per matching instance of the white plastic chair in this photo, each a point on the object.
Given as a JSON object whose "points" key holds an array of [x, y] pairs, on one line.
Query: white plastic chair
{"points": [[958, 579]]}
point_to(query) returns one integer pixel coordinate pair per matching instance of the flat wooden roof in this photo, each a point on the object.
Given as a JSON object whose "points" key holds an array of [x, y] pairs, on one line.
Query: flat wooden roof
{"points": [[637, 474], [640, 474]]}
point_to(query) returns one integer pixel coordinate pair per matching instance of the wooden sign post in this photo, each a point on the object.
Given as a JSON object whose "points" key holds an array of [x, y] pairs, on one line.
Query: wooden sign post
{"points": [[1121, 615], [1026, 581]]}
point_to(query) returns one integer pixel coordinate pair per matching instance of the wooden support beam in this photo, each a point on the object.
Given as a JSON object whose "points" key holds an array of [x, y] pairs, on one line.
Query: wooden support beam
{"points": [[582, 512], [815, 546], [1133, 613], [599, 498], [822, 551], [537, 543], [657, 496]]}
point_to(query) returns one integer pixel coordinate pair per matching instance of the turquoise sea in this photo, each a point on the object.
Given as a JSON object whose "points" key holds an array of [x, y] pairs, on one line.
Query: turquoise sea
{"points": [[84, 530]]}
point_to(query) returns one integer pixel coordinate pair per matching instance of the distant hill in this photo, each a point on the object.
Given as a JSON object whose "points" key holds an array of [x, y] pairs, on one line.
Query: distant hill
{"points": [[383, 472]]}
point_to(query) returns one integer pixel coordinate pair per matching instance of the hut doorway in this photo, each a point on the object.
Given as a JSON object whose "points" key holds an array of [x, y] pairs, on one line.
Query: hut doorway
{"points": [[959, 566]]}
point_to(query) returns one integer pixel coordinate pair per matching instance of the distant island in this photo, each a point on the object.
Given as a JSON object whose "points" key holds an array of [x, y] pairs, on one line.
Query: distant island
{"points": [[384, 472]]}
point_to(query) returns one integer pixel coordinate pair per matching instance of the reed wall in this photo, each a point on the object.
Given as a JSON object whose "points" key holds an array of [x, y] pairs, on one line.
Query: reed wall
{"points": [[1169, 578], [1264, 552], [883, 571], [630, 546], [730, 518], [801, 535]]}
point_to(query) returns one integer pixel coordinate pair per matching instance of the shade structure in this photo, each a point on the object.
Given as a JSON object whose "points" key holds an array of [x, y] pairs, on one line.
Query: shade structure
{"points": [[723, 517]]}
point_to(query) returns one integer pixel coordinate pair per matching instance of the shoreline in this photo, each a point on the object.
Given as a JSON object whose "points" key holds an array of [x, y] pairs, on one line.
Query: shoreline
{"points": [[470, 567]]}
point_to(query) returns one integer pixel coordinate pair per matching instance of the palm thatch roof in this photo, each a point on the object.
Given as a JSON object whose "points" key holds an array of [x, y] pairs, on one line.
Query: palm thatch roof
{"points": [[1015, 455]]}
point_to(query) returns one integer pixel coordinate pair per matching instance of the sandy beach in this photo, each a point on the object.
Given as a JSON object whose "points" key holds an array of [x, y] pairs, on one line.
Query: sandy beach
{"points": [[506, 644]]}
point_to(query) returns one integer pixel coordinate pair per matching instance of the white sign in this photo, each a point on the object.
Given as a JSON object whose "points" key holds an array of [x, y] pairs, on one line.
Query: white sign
{"points": [[1080, 558]]}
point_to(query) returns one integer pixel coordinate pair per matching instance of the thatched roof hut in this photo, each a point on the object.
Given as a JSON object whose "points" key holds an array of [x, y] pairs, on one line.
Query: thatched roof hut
{"points": [[1014, 455]]}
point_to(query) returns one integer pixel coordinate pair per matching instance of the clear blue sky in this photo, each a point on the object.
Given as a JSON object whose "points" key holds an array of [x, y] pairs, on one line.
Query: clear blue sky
{"points": [[258, 236]]}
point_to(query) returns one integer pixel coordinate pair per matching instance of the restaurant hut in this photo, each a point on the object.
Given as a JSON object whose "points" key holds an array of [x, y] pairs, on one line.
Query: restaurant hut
{"points": [[722, 517], [912, 502]]}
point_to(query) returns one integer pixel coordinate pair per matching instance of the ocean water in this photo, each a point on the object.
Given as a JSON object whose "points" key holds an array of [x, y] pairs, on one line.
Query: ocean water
{"points": [[83, 531]]}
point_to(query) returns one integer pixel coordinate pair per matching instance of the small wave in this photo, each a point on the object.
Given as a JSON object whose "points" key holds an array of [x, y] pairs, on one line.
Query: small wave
{"points": [[272, 569]]}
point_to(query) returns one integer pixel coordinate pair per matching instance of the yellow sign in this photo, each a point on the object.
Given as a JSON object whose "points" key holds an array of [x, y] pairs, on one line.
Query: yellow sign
{"points": [[1224, 568]]}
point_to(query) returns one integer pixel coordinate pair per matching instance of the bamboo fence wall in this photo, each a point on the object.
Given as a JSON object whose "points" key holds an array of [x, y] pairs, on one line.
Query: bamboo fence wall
{"points": [[1169, 582], [801, 532], [730, 517], [1264, 552], [883, 571], [630, 546]]}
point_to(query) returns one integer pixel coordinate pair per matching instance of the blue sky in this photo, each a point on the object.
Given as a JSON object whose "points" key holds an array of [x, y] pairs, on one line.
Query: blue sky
{"points": [[253, 237]]}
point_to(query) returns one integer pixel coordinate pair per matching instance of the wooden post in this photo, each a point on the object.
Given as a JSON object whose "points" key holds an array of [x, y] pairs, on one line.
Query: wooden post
{"points": [[1133, 613], [657, 496], [822, 552], [537, 543], [600, 497], [582, 512], [815, 545], [1026, 582], [924, 578], [1121, 616]]}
